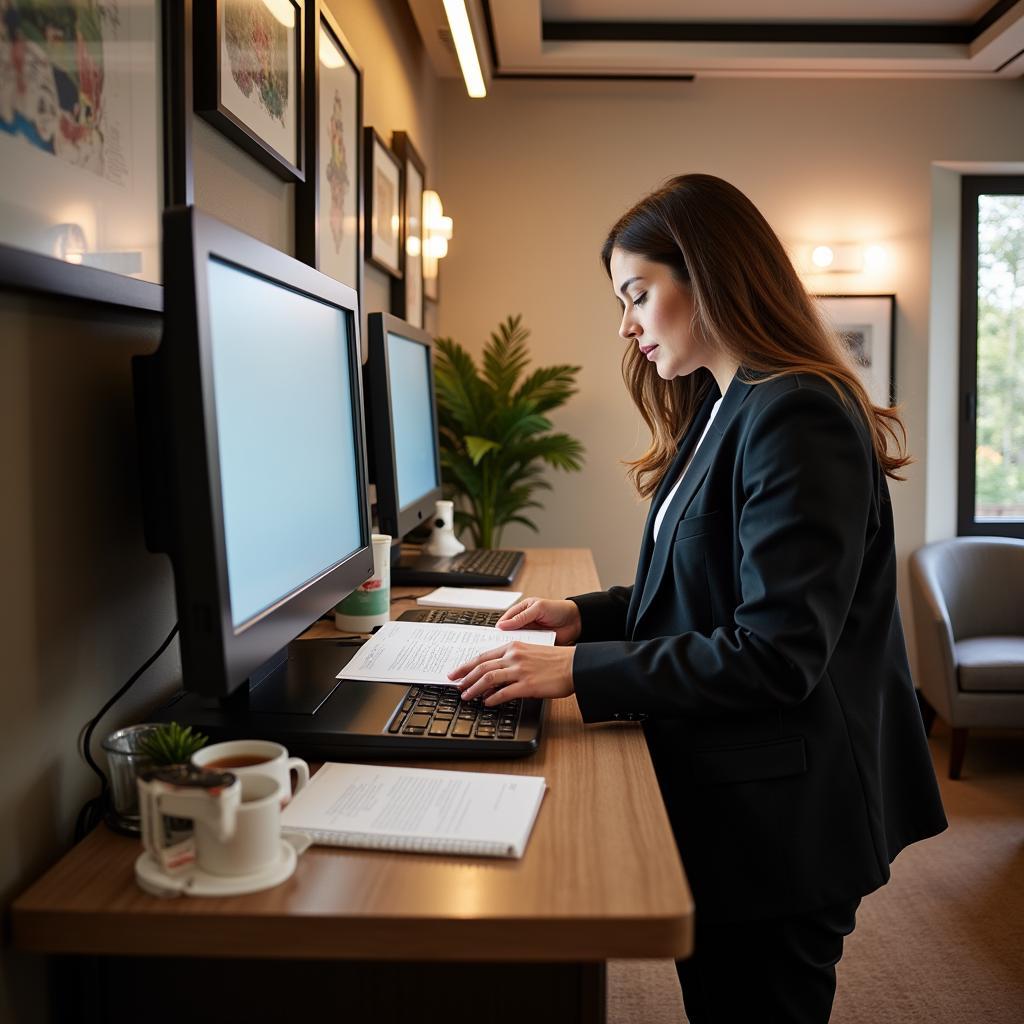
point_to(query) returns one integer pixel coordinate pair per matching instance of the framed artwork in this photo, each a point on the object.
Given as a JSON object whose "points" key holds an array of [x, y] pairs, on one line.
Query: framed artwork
{"points": [[329, 204], [383, 205], [95, 139], [407, 294], [250, 61], [867, 324]]}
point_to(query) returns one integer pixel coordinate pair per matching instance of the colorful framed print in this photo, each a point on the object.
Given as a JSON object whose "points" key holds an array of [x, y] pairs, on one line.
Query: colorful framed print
{"points": [[250, 63], [95, 109], [329, 204], [867, 324], [383, 205], [407, 295]]}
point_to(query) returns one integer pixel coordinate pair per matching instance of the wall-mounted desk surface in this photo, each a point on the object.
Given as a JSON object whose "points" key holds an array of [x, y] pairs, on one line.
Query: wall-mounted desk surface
{"points": [[601, 877]]}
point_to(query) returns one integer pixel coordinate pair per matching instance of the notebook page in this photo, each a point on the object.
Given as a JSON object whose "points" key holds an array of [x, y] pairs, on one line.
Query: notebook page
{"points": [[430, 805]]}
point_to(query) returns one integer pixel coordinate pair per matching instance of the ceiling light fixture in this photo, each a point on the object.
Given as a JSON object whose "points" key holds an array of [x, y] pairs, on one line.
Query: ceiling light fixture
{"points": [[465, 47]]}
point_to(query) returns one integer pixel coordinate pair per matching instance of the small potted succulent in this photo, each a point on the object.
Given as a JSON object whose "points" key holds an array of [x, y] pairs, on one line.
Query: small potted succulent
{"points": [[171, 744], [134, 749]]}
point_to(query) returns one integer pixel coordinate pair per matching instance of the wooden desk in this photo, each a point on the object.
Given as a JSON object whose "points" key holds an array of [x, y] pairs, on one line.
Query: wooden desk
{"points": [[601, 879]]}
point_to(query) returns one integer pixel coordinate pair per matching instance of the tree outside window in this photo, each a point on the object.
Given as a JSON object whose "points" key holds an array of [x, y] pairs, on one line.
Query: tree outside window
{"points": [[992, 358]]}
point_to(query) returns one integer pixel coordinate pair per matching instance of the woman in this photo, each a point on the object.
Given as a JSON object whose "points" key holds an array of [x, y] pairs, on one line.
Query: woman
{"points": [[761, 642]]}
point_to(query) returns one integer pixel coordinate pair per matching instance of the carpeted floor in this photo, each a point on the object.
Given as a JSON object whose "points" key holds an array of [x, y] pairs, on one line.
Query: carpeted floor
{"points": [[943, 942]]}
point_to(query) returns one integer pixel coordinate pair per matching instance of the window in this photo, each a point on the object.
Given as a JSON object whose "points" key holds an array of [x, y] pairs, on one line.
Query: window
{"points": [[991, 456]]}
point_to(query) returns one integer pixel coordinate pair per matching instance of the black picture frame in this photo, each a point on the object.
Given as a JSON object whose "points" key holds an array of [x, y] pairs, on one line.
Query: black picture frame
{"points": [[383, 250], [407, 295], [871, 320], [31, 271], [213, 106], [312, 229]]}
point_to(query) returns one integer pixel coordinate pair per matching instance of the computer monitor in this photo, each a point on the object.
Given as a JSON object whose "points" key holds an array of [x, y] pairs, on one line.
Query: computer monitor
{"points": [[406, 464], [253, 453]]}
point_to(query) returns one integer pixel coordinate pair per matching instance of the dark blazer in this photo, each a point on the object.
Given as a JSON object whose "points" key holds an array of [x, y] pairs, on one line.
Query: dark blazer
{"points": [[761, 644]]}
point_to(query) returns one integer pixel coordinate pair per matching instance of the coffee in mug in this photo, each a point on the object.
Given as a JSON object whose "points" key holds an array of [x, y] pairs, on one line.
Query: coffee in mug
{"points": [[255, 757]]}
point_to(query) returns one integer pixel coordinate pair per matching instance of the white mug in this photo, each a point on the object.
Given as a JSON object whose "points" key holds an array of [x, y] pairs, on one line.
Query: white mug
{"points": [[177, 791], [254, 757], [256, 841]]}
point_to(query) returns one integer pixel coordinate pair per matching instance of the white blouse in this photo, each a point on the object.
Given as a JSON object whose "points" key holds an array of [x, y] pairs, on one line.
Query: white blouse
{"points": [[675, 487]]}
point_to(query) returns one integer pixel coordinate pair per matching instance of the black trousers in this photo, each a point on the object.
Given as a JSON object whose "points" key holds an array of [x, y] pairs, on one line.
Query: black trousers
{"points": [[781, 971]]}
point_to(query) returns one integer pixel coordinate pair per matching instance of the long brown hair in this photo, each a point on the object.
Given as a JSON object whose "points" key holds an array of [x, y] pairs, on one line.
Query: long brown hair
{"points": [[748, 302]]}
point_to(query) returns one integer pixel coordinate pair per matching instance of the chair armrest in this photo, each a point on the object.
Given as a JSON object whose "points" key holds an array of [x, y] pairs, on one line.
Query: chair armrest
{"points": [[936, 655]]}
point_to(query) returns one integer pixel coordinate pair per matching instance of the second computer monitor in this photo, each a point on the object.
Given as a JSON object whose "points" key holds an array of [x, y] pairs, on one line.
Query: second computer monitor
{"points": [[403, 415]]}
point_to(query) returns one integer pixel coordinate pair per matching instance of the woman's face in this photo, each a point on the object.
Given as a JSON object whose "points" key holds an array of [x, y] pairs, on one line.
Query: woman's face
{"points": [[657, 314]]}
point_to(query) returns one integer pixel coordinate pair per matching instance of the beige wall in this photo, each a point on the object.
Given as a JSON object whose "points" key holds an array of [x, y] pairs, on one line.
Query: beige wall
{"points": [[82, 604], [535, 175]]}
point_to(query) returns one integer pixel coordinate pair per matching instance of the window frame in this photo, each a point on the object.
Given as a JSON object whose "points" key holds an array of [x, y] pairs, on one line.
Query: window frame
{"points": [[973, 186]]}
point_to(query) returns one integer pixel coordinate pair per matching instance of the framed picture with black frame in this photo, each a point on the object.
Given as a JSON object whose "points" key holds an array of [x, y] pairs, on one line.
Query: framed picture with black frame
{"points": [[329, 203], [407, 294], [867, 325], [383, 185], [250, 73], [93, 149]]}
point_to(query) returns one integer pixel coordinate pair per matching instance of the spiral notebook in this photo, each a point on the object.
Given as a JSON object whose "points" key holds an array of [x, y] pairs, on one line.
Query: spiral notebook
{"points": [[425, 810]]}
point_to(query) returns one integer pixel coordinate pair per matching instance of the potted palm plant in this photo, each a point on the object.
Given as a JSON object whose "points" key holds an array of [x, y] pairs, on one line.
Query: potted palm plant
{"points": [[496, 438]]}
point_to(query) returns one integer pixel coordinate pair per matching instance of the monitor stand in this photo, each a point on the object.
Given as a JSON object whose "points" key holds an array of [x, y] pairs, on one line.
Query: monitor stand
{"points": [[297, 700]]}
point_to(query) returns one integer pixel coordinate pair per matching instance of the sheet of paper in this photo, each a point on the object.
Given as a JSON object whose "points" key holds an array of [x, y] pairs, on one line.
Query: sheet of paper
{"points": [[468, 597], [425, 652]]}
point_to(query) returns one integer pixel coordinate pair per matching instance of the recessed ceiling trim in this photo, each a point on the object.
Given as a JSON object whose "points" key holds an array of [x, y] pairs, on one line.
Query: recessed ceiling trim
{"points": [[1009, 61], [522, 44], [749, 32]]}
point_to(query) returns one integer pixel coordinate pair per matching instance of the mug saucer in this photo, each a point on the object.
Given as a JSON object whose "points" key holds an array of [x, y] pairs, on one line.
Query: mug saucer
{"points": [[196, 882]]}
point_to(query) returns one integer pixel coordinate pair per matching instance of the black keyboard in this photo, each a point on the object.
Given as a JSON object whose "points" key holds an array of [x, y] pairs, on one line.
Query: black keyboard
{"points": [[484, 567], [451, 616], [440, 711], [487, 562]]}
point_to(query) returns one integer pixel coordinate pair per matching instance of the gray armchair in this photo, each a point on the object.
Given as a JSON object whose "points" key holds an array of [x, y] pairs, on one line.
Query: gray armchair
{"points": [[968, 596]]}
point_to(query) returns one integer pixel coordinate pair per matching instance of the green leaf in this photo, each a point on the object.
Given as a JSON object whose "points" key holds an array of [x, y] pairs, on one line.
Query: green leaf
{"points": [[172, 744], [478, 447]]}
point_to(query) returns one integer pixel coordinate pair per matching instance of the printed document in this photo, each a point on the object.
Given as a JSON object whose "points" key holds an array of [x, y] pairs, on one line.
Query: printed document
{"points": [[425, 652]]}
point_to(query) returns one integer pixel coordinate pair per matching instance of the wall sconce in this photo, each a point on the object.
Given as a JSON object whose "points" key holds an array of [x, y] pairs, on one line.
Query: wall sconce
{"points": [[847, 258], [69, 243], [283, 11], [437, 231]]}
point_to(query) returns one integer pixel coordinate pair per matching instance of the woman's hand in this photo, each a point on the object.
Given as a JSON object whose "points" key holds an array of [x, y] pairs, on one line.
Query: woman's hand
{"points": [[517, 670], [538, 613]]}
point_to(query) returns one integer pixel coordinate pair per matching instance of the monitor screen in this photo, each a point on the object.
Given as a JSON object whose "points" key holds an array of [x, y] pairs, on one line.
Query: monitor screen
{"points": [[287, 447], [250, 419], [412, 413], [403, 423]]}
